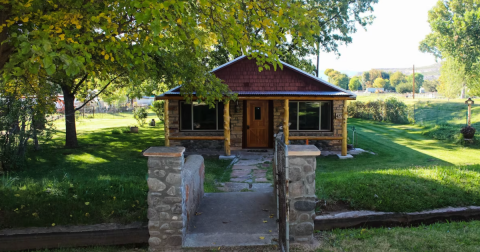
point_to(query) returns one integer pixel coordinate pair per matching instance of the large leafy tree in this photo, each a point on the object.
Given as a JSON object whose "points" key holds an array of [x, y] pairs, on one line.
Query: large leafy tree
{"points": [[397, 78], [91, 45], [355, 84], [455, 33], [452, 78], [337, 78]]}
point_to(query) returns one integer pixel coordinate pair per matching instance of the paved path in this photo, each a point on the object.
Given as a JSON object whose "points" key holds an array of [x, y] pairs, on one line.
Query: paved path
{"points": [[252, 167]]}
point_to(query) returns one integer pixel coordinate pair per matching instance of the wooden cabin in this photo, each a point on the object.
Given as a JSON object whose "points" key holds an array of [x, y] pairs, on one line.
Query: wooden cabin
{"points": [[311, 111]]}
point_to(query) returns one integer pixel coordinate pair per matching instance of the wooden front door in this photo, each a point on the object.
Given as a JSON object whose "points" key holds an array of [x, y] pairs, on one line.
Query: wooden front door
{"points": [[257, 124]]}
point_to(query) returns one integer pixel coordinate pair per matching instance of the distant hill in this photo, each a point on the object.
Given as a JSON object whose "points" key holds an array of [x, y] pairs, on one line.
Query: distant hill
{"points": [[431, 72]]}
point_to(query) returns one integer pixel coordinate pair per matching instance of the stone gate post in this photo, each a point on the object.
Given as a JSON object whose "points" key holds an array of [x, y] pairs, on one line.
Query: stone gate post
{"points": [[301, 166], [175, 189]]}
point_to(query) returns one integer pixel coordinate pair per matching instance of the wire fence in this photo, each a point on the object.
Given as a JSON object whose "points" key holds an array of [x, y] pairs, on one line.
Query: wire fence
{"points": [[424, 114]]}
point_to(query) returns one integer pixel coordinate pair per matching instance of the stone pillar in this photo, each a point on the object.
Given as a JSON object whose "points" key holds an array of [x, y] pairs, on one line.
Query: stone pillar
{"points": [[301, 170], [170, 181]]}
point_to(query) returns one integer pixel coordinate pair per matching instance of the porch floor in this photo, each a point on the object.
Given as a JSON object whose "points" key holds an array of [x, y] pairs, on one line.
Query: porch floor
{"points": [[234, 219]]}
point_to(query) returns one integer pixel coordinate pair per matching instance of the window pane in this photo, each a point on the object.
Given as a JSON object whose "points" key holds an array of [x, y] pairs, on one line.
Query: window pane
{"points": [[293, 115], [326, 116], [309, 115], [220, 115], [186, 116], [258, 113], [204, 118]]}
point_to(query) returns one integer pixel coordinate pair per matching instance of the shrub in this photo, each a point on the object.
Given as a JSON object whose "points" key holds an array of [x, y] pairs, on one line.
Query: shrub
{"points": [[140, 114], [468, 132], [127, 130], [390, 110], [157, 107], [116, 131]]}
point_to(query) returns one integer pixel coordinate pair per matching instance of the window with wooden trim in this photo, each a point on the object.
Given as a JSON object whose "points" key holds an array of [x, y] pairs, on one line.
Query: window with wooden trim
{"points": [[310, 116], [199, 116]]}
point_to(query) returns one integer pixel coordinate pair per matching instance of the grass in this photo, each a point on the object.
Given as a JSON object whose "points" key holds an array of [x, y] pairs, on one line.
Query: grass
{"points": [[216, 170], [409, 173], [104, 180], [455, 236]]}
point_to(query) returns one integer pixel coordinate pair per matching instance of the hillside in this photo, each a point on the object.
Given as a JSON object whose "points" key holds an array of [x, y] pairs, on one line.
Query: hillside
{"points": [[431, 72]]}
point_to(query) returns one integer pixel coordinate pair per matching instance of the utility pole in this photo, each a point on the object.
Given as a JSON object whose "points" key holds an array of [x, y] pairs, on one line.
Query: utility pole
{"points": [[413, 90]]}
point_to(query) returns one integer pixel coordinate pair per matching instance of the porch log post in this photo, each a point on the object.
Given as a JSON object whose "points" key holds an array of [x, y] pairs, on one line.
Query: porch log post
{"points": [[286, 115], [344, 129], [226, 127], [166, 124]]}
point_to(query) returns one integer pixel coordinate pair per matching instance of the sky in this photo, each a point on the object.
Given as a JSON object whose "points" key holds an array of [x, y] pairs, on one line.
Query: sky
{"points": [[390, 42]]}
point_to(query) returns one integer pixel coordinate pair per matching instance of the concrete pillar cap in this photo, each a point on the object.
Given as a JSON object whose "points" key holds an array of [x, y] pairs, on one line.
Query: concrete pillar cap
{"points": [[164, 152], [303, 150]]}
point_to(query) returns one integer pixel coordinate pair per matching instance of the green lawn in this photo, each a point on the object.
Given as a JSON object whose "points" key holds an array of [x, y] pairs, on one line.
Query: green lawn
{"points": [[455, 236], [104, 180], [409, 173]]}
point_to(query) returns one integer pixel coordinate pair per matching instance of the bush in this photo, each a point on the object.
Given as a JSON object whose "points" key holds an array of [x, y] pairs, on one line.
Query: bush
{"points": [[157, 107], [468, 132], [127, 130], [140, 114], [390, 110], [116, 131]]}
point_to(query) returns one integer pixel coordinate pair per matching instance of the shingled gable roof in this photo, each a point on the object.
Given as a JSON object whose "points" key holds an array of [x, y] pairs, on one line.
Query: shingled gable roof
{"points": [[316, 86]]}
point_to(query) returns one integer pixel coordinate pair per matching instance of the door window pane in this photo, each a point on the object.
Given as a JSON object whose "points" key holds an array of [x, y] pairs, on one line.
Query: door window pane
{"points": [[258, 113], [309, 116], [293, 115], [186, 116], [326, 116], [204, 117]]}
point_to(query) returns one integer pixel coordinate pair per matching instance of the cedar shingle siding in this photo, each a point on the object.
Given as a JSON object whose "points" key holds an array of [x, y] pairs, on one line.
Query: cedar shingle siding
{"points": [[244, 76]]}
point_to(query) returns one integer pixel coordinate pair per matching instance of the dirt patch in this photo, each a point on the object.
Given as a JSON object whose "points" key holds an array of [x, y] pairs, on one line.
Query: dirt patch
{"points": [[331, 206]]}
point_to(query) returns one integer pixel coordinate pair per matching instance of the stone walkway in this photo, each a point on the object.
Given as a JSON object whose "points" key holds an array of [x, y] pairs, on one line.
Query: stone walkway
{"points": [[249, 173], [252, 167]]}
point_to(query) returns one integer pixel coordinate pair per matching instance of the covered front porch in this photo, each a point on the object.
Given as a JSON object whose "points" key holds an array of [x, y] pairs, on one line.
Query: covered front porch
{"points": [[251, 121]]}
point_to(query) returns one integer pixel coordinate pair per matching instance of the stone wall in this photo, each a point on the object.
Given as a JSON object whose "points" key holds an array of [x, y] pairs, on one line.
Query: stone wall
{"points": [[301, 167], [175, 190]]}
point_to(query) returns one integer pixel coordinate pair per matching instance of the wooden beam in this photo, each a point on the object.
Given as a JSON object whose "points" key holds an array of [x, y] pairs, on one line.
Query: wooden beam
{"points": [[286, 116], [315, 138], [166, 123], [226, 127], [178, 138], [344, 128], [292, 98]]}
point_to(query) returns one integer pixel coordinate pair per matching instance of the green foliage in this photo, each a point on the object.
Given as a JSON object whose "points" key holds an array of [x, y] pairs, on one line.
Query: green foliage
{"points": [[140, 115], [406, 88], [355, 84], [126, 130], [117, 131], [216, 171], [157, 107], [452, 78], [337, 78], [20, 123], [418, 80], [379, 83], [431, 85], [389, 110], [397, 78]]}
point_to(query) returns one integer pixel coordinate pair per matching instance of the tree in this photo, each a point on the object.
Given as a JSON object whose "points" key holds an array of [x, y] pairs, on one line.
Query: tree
{"points": [[366, 80], [397, 78], [379, 83], [455, 27], [451, 79], [418, 80], [92, 45], [355, 84], [337, 78], [431, 85]]}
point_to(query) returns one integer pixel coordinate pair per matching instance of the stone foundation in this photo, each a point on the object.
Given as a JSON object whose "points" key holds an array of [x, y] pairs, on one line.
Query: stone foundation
{"points": [[175, 191]]}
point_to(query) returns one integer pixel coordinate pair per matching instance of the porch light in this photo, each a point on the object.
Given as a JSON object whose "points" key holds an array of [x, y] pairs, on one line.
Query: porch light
{"points": [[237, 106]]}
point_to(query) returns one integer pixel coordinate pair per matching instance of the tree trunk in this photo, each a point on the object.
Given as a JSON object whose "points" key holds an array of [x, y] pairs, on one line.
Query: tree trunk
{"points": [[70, 128]]}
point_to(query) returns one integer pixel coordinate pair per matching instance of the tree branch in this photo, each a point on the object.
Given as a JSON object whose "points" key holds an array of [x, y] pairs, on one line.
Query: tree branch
{"points": [[103, 89], [75, 89]]}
